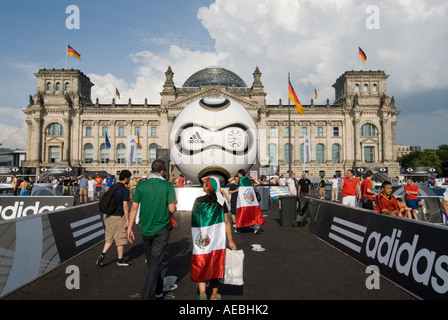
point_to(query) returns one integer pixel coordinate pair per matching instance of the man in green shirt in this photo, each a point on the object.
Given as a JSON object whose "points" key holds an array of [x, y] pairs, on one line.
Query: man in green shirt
{"points": [[157, 200]]}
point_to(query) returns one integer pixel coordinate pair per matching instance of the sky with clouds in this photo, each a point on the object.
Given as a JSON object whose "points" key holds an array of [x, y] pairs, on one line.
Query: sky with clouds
{"points": [[130, 44]]}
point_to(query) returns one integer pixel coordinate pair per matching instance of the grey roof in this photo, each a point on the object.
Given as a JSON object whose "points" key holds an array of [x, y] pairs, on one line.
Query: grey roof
{"points": [[214, 76]]}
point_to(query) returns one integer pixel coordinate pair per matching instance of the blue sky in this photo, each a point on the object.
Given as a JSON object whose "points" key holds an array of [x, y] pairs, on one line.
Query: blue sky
{"points": [[130, 44]]}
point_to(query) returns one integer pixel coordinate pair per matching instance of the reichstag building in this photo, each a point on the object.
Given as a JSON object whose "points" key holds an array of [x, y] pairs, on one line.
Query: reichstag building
{"points": [[66, 128]]}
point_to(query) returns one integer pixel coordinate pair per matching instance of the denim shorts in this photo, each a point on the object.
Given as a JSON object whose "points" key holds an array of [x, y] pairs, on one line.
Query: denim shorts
{"points": [[412, 203]]}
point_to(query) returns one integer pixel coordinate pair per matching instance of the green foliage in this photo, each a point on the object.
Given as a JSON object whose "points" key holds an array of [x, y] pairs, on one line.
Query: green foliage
{"points": [[428, 158]]}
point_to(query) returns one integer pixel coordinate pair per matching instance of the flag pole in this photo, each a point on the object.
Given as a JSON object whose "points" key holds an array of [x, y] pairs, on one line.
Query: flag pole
{"points": [[357, 57], [66, 48], [289, 126]]}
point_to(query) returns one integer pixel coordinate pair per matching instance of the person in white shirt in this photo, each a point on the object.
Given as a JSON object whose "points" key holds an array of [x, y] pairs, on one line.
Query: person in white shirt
{"points": [[292, 185], [334, 189], [91, 184], [282, 181], [54, 184]]}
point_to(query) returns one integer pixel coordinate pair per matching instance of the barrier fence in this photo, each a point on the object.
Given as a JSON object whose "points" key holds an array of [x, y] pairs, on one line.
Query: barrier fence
{"points": [[36, 244], [412, 254]]}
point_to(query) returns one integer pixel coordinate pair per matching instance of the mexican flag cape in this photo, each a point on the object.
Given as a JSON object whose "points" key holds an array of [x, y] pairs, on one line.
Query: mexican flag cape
{"points": [[248, 210], [209, 240]]}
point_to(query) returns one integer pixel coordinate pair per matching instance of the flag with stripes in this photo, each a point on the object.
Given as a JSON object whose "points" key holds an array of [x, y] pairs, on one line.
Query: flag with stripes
{"points": [[72, 52], [208, 232], [295, 100], [248, 209], [362, 55]]}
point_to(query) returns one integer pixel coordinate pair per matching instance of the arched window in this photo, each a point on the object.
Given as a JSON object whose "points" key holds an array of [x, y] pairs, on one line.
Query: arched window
{"points": [[286, 153], [320, 153], [336, 153], [374, 87], [121, 153], [366, 87], [55, 129], [153, 152], [368, 130], [138, 155], [272, 153], [88, 153], [49, 86], [67, 86], [356, 87], [58, 86], [105, 154]]}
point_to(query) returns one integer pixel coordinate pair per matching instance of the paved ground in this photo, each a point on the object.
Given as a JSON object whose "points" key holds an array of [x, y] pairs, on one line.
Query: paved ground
{"points": [[294, 266]]}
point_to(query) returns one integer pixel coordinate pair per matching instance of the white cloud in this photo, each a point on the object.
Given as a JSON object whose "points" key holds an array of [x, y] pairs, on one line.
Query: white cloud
{"points": [[314, 41], [13, 129], [150, 74]]}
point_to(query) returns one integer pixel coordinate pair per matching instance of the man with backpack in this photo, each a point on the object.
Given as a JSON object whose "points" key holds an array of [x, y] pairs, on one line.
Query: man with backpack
{"points": [[117, 220]]}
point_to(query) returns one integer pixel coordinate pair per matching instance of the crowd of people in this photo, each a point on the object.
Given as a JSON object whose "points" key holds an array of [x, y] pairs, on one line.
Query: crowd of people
{"points": [[361, 192], [364, 194], [151, 201], [21, 186]]}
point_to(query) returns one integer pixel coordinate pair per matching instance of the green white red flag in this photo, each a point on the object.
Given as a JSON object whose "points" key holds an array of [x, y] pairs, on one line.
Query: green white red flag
{"points": [[209, 241], [248, 212]]}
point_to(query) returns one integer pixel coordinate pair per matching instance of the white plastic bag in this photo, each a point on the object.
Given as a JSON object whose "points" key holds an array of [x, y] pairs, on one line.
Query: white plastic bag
{"points": [[233, 270]]}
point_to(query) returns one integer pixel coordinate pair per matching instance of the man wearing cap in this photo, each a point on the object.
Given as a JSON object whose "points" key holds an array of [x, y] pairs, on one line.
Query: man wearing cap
{"points": [[157, 200]]}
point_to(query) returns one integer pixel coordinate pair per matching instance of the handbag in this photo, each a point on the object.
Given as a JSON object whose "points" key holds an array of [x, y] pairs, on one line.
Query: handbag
{"points": [[233, 267]]}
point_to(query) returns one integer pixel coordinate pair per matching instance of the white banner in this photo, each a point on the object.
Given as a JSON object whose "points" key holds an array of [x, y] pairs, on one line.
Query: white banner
{"points": [[307, 150], [132, 148]]}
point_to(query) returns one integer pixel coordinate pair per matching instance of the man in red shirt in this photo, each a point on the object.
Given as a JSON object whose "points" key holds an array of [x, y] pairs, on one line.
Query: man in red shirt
{"points": [[367, 192], [98, 182], [180, 181], [386, 202], [350, 189], [412, 201]]}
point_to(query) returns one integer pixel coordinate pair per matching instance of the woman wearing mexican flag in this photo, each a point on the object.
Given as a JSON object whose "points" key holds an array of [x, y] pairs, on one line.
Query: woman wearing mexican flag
{"points": [[209, 226]]}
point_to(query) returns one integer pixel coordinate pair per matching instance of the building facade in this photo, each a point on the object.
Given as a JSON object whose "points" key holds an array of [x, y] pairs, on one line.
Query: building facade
{"points": [[67, 128]]}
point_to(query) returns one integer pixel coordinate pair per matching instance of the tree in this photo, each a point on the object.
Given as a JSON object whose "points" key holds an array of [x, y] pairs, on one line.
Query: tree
{"points": [[442, 152], [426, 158]]}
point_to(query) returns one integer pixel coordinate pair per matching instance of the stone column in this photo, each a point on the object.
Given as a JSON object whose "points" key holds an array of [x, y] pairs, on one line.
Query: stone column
{"points": [[66, 151]]}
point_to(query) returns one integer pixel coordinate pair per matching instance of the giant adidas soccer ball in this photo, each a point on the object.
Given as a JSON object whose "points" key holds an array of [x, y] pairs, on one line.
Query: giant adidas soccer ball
{"points": [[213, 136]]}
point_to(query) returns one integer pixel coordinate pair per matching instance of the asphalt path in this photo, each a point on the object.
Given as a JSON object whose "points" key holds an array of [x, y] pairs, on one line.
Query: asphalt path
{"points": [[295, 265]]}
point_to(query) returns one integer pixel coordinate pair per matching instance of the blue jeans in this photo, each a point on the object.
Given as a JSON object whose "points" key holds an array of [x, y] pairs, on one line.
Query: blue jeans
{"points": [[155, 247]]}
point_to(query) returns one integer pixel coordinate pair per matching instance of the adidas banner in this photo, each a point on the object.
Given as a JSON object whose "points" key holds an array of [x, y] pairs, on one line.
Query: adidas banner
{"points": [[409, 253]]}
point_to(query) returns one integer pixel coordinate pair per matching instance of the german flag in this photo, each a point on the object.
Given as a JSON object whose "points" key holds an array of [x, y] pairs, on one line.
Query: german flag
{"points": [[139, 142], [315, 94], [117, 93], [293, 98], [362, 55], [72, 52]]}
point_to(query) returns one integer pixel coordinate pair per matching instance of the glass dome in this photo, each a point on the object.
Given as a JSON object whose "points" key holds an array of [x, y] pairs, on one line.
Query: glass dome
{"points": [[214, 76]]}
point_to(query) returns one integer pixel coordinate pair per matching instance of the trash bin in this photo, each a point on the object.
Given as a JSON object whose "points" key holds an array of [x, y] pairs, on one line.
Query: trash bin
{"points": [[288, 206], [265, 193]]}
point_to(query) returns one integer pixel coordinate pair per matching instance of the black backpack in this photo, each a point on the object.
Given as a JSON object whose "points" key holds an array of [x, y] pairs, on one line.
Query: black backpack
{"points": [[107, 202]]}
